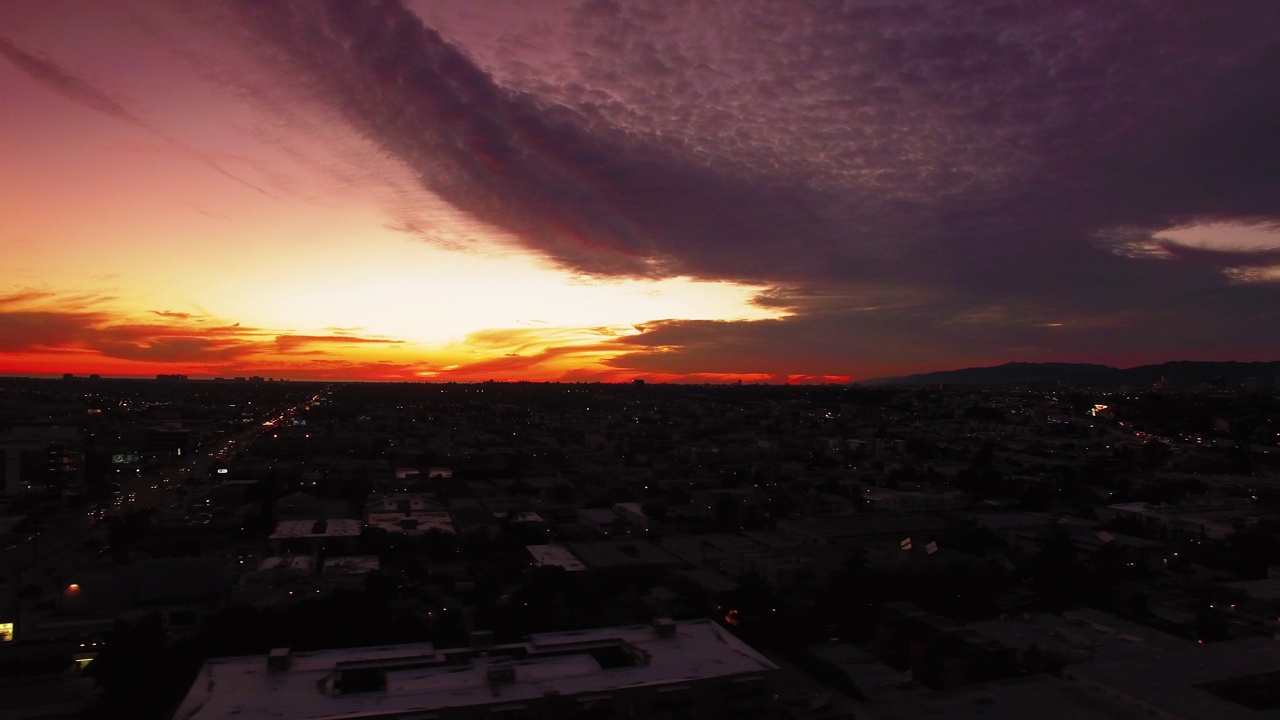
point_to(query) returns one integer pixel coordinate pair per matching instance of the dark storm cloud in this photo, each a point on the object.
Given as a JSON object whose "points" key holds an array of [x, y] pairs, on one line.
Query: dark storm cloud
{"points": [[581, 193], [827, 139], [872, 344], [171, 349], [822, 140], [25, 330], [101, 333], [973, 155]]}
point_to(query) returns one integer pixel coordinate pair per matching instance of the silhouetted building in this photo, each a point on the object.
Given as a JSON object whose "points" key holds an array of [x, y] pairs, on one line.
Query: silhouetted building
{"points": [[40, 459]]}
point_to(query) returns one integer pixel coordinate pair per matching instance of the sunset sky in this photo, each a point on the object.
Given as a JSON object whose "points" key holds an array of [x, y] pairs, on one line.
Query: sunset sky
{"points": [[669, 190]]}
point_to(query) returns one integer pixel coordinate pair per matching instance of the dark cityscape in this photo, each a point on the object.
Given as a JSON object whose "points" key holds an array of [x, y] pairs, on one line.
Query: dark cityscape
{"points": [[195, 549], [639, 359]]}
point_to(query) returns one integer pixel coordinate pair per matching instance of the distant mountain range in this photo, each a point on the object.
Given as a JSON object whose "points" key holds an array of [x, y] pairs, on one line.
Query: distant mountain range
{"points": [[1180, 374]]}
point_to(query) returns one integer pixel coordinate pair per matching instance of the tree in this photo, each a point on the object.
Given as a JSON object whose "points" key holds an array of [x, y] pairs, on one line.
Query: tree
{"points": [[1058, 575], [131, 668]]}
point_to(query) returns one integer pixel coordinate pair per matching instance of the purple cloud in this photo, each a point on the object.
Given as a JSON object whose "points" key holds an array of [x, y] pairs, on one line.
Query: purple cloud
{"points": [[969, 155]]}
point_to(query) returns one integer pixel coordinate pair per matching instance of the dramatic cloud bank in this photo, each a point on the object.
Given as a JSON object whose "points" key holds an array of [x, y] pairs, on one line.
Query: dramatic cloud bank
{"points": [[979, 153], [919, 183]]}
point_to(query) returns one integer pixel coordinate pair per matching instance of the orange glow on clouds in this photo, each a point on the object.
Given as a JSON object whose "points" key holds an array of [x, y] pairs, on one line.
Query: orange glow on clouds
{"points": [[171, 222], [49, 333]]}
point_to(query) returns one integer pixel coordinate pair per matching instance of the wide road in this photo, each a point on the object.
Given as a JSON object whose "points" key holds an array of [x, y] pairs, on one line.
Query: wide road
{"points": [[49, 557]]}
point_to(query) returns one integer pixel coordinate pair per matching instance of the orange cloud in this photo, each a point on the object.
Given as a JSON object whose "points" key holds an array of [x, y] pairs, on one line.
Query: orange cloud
{"points": [[289, 342], [47, 333], [37, 326]]}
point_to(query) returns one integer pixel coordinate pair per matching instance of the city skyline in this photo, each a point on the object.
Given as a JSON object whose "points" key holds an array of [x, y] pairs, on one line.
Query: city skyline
{"points": [[707, 191]]}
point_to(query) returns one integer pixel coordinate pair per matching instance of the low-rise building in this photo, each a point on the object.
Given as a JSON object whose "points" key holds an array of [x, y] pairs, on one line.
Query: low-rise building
{"points": [[407, 514], [877, 499], [621, 555], [554, 555], [336, 536], [1225, 680], [349, 571], [667, 669]]}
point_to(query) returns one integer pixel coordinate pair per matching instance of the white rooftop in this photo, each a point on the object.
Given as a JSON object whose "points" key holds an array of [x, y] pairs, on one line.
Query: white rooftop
{"points": [[417, 678]]}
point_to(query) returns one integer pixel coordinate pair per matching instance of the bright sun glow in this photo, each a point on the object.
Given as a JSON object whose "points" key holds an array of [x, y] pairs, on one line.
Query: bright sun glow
{"points": [[315, 255], [391, 287]]}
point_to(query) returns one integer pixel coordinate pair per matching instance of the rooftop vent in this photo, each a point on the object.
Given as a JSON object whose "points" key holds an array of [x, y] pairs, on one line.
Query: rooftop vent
{"points": [[481, 639], [501, 674], [279, 659], [665, 627]]}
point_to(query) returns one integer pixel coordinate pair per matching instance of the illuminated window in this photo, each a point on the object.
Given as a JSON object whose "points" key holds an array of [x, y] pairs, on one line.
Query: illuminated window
{"points": [[6, 632]]}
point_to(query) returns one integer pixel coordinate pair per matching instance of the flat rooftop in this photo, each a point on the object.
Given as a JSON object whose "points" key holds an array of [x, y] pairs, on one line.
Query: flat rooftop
{"points": [[613, 554], [1266, 589], [400, 502], [1035, 696], [296, 563], [419, 523], [419, 678], [1231, 680], [317, 528], [555, 556], [351, 564], [1082, 635]]}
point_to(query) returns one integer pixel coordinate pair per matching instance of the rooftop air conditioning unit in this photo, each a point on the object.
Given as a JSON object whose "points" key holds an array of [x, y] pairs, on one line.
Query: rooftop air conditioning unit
{"points": [[501, 674], [665, 627], [279, 659]]}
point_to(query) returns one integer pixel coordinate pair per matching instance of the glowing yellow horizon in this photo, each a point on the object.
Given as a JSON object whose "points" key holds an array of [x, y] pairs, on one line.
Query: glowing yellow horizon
{"points": [[166, 239]]}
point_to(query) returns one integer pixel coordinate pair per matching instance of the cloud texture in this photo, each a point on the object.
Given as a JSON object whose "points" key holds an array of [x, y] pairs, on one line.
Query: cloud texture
{"points": [[949, 181], [977, 153]]}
